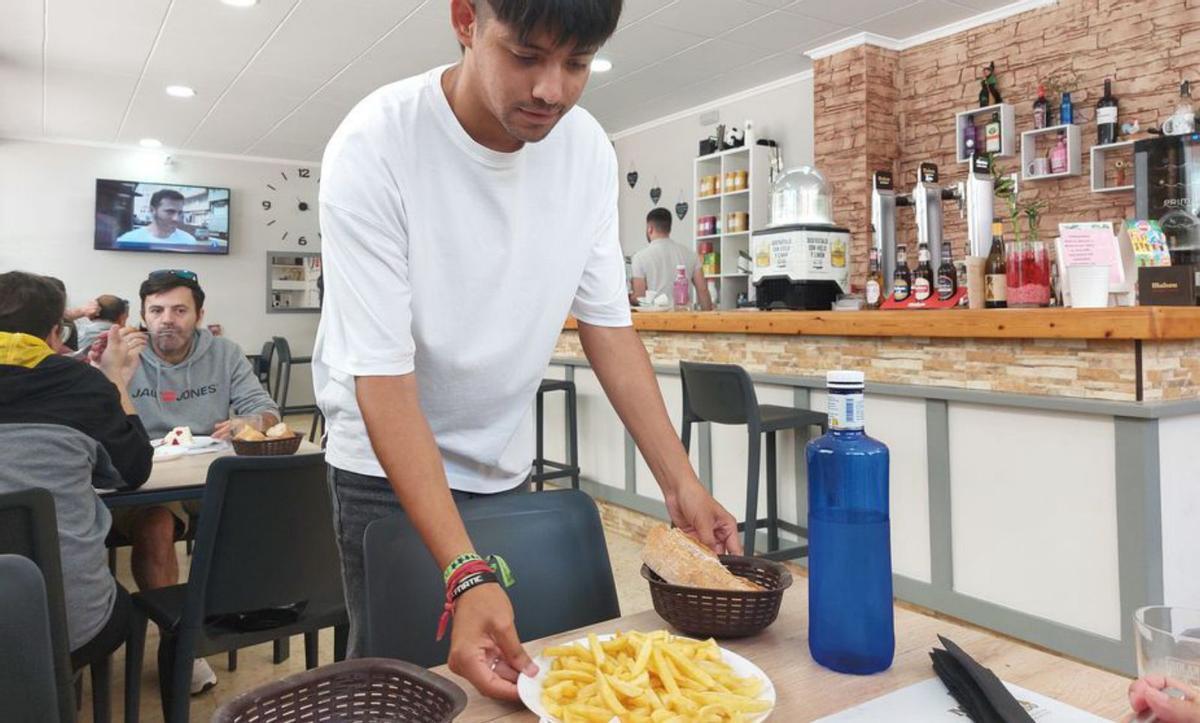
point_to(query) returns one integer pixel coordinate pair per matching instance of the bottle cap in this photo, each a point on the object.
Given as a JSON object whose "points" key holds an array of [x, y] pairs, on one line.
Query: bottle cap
{"points": [[844, 378]]}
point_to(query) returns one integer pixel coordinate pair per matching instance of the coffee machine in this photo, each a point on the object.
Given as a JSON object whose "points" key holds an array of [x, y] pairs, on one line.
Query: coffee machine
{"points": [[1167, 190]]}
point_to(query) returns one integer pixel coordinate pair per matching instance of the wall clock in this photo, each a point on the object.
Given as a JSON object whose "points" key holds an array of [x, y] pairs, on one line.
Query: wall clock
{"points": [[289, 206]]}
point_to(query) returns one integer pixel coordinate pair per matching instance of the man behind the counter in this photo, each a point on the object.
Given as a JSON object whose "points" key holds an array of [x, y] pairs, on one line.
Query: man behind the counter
{"points": [[464, 213], [654, 267]]}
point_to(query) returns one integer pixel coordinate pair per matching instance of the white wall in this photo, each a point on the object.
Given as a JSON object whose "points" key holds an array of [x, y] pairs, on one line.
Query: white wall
{"points": [[47, 206], [665, 151]]}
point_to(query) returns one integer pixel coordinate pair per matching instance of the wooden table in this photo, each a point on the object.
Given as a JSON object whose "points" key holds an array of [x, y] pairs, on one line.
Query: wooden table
{"points": [[181, 478], [806, 691]]}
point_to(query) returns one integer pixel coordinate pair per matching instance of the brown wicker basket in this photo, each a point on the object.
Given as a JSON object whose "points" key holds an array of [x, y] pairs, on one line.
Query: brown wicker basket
{"points": [[366, 689], [286, 445], [723, 613]]}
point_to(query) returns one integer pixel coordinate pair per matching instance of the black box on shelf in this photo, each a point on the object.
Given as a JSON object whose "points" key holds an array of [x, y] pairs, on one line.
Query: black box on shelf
{"points": [[1167, 285]]}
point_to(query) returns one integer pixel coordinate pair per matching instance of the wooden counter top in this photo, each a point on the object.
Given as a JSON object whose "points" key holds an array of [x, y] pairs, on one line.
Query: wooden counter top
{"points": [[1154, 323]]}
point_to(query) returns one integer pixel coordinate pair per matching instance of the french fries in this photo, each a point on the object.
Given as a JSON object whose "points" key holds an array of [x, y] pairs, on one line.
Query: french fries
{"points": [[647, 678]]}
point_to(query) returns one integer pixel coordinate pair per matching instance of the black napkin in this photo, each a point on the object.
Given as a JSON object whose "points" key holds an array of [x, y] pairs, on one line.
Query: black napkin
{"points": [[977, 689]]}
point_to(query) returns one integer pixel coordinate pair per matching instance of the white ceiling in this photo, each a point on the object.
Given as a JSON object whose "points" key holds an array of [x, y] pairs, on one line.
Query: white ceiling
{"points": [[275, 79]]}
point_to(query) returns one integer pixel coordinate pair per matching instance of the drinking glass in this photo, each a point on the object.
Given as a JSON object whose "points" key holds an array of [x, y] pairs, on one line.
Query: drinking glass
{"points": [[1168, 642]]}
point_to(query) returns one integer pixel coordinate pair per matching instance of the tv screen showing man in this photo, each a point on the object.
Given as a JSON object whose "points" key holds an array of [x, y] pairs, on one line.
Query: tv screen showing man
{"points": [[132, 216]]}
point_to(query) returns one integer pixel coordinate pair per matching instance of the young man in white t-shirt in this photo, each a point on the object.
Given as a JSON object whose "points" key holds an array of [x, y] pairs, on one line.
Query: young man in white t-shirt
{"points": [[465, 213]]}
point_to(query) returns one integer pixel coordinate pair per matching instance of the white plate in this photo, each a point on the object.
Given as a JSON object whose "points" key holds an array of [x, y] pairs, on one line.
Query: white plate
{"points": [[198, 442], [530, 689], [166, 454]]}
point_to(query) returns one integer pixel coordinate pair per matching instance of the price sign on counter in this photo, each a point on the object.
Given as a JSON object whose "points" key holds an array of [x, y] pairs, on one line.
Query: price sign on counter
{"points": [[1091, 244]]}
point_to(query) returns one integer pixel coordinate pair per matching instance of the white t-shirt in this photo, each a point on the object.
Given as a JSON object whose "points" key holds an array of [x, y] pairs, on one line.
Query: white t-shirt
{"points": [[142, 235], [659, 262], [458, 263]]}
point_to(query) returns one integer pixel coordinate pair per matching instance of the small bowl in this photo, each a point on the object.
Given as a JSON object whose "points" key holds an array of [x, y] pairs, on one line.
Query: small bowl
{"points": [[267, 448], [723, 613]]}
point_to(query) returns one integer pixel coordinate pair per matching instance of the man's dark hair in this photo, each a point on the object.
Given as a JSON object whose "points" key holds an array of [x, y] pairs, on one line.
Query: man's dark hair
{"points": [[586, 23], [165, 194], [111, 307], [158, 285], [30, 304], [660, 219]]}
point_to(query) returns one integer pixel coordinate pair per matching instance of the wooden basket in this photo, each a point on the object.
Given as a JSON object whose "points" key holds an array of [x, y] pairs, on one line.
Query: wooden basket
{"points": [[270, 447], [723, 613], [366, 689]]}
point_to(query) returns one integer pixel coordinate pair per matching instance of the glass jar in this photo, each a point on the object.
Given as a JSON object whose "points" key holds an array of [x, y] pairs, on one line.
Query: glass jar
{"points": [[1027, 264]]}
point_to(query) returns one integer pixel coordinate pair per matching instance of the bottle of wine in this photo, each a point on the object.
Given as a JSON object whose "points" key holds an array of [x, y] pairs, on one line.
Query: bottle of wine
{"points": [[902, 278], [922, 284], [947, 278], [851, 627], [1041, 109], [874, 280], [995, 274], [1106, 116]]}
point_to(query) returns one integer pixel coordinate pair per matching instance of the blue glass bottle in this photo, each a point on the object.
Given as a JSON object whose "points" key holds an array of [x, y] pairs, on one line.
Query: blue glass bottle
{"points": [[1066, 111], [850, 619]]}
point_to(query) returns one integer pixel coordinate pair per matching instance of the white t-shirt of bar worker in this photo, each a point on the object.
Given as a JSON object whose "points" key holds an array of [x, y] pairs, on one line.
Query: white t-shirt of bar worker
{"points": [[458, 263]]}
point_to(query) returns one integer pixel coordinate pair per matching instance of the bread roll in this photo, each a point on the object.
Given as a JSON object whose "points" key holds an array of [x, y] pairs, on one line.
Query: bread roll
{"points": [[681, 560], [250, 434], [279, 431]]}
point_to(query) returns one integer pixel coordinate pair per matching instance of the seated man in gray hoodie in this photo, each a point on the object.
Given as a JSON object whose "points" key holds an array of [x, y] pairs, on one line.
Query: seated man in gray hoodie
{"points": [[187, 378]]}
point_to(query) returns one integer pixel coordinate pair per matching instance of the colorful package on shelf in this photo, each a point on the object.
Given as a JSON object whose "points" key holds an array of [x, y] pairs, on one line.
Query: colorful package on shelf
{"points": [[1149, 243]]}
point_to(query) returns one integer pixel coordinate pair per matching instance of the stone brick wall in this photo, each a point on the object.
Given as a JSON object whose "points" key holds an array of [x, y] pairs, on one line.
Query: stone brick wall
{"points": [[1147, 47]]}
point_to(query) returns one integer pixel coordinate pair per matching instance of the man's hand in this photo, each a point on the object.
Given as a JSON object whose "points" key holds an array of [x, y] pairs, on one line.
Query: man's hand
{"points": [[117, 353], [91, 310], [694, 511], [1146, 694], [484, 647], [223, 430]]}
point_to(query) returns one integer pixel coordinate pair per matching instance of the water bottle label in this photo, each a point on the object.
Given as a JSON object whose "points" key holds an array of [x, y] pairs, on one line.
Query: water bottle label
{"points": [[845, 411]]}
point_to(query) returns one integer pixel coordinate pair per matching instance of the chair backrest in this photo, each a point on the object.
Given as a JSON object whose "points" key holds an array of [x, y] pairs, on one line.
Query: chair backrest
{"points": [[721, 393], [282, 349], [553, 541], [28, 673], [262, 366], [29, 528], [265, 539]]}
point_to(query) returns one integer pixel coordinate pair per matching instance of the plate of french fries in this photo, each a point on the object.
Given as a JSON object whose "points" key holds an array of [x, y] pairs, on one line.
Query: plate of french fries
{"points": [[654, 677]]}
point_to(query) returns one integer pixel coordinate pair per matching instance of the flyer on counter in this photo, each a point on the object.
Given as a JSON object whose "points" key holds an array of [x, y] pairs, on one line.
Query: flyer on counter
{"points": [[1149, 243], [1091, 244], [930, 702]]}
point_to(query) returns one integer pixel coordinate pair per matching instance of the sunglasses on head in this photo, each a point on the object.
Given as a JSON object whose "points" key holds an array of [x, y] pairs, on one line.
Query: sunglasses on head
{"points": [[183, 274]]}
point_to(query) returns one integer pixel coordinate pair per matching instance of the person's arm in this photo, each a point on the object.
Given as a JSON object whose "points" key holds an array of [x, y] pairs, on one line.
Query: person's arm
{"points": [[117, 353], [90, 310], [621, 364], [247, 396], [701, 285], [639, 287]]}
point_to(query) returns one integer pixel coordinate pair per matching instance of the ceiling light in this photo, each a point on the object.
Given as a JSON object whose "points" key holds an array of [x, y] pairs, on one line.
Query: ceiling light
{"points": [[601, 65], [180, 91], [150, 143], [240, 3]]}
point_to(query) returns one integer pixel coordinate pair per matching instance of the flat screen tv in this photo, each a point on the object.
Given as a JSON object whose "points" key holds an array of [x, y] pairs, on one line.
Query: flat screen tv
{"points": [[144, 216]]}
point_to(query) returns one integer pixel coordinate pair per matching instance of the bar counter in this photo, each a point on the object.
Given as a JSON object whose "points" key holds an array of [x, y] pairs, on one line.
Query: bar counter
{"points": [[1045, 463]]}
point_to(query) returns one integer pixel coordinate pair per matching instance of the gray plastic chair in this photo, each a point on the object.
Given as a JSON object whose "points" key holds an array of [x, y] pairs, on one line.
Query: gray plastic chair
{"points": [[265, 544], [553, 541], [283, 381], [29, 664], [724, 394]]}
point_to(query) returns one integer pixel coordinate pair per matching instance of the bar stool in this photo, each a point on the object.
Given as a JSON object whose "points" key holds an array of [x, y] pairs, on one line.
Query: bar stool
{"points": [[283, 382], [724, 394], [540, 463]]}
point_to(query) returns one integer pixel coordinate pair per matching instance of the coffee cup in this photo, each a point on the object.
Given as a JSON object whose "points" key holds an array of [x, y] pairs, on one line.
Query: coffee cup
{"points": [[1037, 167]]}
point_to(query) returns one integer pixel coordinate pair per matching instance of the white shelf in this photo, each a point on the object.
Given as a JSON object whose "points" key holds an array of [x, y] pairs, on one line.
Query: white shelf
{"points": [[291, 285], [727, 152], [1099, 157], [1029, 151], [752, 200], [1008, 125], [708, 238]]}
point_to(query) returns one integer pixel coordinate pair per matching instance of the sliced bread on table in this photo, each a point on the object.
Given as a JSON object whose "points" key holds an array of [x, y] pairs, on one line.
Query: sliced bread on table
{"points": [[680, 560]]}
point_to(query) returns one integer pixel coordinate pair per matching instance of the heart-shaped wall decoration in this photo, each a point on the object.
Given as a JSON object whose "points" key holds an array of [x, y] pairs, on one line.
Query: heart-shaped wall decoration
{"points": [[632, 178], [655, 194], [681, 209]]}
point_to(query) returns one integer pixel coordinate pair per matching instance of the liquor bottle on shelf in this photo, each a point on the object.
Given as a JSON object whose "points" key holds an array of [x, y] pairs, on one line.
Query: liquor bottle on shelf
{"points": [[902, 278], [995, 274], [922, 283], [874, 280], [851, 626], [1066, 111], [1106, 116], [1058, 155], [992, 134], [1041, 109], [947, 277]]}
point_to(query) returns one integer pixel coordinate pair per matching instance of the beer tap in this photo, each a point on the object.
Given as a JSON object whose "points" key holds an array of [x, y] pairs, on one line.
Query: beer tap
{"points": [[976, 203], [927, 197]]}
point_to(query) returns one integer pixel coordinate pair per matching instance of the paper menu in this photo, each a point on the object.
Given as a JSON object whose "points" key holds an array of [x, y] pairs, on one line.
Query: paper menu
{"points": [[1091, 244], [930, 702]]}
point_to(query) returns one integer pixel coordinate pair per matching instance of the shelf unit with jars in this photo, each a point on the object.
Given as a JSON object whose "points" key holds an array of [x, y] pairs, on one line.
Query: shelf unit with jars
{"points": [[725, 215]]}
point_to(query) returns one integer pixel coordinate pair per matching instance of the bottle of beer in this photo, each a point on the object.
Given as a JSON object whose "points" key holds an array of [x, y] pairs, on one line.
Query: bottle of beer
{"points": [[922, 284], [902, 279], [995, 279], [874, 280], [947, 278]]}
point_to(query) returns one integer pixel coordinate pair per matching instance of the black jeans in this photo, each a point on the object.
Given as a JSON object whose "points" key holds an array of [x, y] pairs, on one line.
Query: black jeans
{"points": [[359, 500]]}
